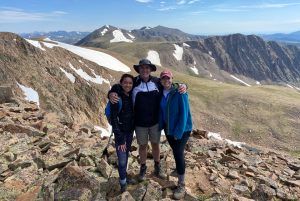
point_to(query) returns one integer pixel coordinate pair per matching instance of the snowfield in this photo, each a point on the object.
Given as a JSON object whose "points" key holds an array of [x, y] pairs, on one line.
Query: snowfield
{"points": [[130, 35], [70, 76], [217, 136], [119, 37], [153, 56], [30, 94], [178, 52], [195, 70], [35, 44], [97, 57], [241, 81], [103, 32], [105, 132], [186, 45], [97, 79]]}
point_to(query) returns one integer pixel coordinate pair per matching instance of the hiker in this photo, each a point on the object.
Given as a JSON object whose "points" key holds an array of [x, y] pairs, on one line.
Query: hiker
{"points": [[146, 94], [122, 121], [175, 119]]}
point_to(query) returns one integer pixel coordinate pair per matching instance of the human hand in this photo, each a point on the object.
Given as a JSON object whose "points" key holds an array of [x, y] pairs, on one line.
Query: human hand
{"points": [[122, 147], [113, 97], [182, 88]]}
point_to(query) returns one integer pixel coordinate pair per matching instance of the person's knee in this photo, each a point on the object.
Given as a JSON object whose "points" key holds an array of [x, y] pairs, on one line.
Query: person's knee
{"points": [[143, 147], [122, 160], [155, 146]]}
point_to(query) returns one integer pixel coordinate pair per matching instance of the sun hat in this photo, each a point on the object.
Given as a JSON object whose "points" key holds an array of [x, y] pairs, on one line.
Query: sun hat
{"points": [[144, 62]]}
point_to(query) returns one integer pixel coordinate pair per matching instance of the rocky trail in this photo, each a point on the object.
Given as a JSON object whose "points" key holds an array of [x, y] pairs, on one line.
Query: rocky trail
{"points": [[42, 159]]}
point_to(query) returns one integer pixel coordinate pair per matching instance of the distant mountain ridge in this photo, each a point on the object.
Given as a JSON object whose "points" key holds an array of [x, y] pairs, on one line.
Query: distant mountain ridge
{"points": [[290, 37], [103, 36], [215, 57], [70, 37]]}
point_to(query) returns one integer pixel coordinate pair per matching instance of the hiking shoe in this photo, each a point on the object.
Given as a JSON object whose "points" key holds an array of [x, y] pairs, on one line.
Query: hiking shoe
{"points": [[179, 192], [142, 173], [158, 172], [131, 181], [123, 187]]}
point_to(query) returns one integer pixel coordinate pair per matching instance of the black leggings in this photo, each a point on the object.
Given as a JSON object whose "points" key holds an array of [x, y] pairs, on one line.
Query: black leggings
{"points": [[178, 151]]}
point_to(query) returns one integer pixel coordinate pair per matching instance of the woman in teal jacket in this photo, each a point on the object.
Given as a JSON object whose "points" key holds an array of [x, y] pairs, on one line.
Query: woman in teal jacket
{"points": [[175, 118]]}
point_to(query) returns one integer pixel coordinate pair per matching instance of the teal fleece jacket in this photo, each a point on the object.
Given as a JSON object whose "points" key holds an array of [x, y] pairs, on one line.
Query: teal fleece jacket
{"points": [[175, 115]]}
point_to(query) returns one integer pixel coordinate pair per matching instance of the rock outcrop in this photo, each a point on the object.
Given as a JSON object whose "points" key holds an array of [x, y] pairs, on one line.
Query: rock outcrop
{"points": [[45, 71], [54, 162]]}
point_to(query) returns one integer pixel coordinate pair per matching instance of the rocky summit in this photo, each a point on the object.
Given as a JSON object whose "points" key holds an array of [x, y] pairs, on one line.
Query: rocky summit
{"points": [[41, 159]]}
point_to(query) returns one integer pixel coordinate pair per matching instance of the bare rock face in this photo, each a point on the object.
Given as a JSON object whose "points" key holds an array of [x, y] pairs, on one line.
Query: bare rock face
{"points": [[74, 177], [43, 71], [6, 94]]}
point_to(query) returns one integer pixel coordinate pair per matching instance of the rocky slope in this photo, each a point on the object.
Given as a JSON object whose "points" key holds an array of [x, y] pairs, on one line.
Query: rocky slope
{"points": [[251, 56], [45, 160], [71, 87], [248, 57]]}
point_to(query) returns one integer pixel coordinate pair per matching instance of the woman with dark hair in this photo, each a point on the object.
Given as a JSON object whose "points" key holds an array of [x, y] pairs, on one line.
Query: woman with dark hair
{"points": [[175, 119], [122, 121]]}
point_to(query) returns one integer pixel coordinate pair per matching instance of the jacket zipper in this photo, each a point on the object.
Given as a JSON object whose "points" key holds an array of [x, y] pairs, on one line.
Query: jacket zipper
{"points": [[168, 111]]}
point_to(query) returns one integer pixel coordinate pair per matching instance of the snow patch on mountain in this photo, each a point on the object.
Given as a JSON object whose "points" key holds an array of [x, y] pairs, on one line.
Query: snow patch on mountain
{"points": [[97, 79], [178, 52], [153, 56], [97, 57], [217, 136], [119, 37], [186, 45], [50, 45], [105, 132], [103, 32], [241, 81], [195, 70], [35, 43], [30, 94], [70, 76], [130, 35]]}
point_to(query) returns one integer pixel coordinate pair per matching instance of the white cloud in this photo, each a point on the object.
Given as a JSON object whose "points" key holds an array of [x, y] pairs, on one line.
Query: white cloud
{"points": [[143, 1], [193, 1], [11, 15], [181, 2], [229, 10], [244, 8], [167, 8], [198, 12], [274, 5]]}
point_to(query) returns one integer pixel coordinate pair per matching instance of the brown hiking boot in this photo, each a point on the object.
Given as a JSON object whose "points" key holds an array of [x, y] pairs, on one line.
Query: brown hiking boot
{"points": [[179, 192], [158, 172]]}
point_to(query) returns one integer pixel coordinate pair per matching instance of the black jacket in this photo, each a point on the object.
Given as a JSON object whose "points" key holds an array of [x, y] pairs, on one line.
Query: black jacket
{"points": [[122, 122], [146, 98]]}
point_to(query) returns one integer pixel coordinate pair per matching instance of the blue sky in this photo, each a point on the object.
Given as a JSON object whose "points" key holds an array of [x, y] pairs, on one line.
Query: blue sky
{"points": [[191, 16]]}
